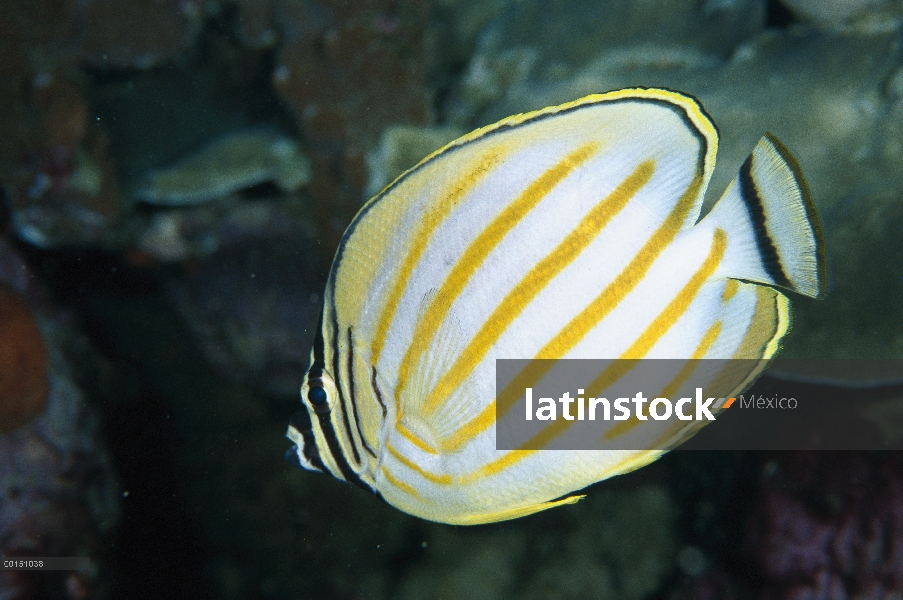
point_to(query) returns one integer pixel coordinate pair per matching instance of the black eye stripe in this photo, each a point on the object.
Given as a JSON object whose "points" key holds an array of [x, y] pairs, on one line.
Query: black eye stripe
{"points": [[311, 453], [300, 420], [335, 450], [316, 369]]}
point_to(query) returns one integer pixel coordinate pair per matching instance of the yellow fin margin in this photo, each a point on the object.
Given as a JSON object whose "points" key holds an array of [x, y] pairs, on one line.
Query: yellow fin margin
{"points": [[700, 120], [513, 513]]}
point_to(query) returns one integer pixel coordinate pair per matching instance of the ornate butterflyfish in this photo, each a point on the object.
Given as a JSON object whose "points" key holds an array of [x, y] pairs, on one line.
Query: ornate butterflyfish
{"points": [[569, 232]]}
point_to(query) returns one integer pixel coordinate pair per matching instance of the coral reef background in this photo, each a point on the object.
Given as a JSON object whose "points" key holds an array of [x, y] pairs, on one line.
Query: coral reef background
{"points": [[174, 178]]}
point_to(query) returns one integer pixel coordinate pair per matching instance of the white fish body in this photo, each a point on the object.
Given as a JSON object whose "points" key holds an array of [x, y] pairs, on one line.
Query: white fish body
{"points": [[570, 232]]}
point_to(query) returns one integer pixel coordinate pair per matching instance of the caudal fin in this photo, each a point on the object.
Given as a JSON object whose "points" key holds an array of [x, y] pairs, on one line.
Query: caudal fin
{"points": [[774, 234]]}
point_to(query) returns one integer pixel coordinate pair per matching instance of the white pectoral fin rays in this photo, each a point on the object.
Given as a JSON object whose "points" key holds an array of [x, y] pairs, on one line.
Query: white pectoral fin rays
{"points": [[774, 235]]}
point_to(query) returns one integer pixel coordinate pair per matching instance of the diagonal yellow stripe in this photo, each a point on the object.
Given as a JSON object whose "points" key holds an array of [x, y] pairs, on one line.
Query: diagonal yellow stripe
{"points": [[730, 290], [628, 279], [498, 465], [746, 364], [434, 215], [708, 339], [629, 463], [568, 337], [476, 253], [679, 305], [469, 430], [533, 372], [443, 479], [399, 484], [409, 435], [605, 302], [669, 390], [536, 280], [659, 326]]}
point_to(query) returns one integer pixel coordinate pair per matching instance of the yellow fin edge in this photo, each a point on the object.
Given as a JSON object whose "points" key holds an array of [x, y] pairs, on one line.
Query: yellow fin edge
{"points": [[783, 309], [692, 107], [514, 513]]}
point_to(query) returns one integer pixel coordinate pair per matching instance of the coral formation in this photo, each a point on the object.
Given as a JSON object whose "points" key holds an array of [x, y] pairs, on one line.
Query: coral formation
{"points": [[830, 525], [552, 43], [23, 362], [347, 71], [857, 16], [58, 492], [400, 148], [624, 547], [103, 33], [234, 161], [55, 168], [136, 34], [254, 319], [53, 155], [195, 233]]}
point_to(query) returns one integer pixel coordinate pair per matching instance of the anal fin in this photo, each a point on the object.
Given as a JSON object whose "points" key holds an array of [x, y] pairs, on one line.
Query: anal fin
{"points": [[514, 513]]}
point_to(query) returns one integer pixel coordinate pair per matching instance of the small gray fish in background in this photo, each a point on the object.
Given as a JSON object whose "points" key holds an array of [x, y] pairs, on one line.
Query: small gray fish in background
{"points": [[569, 232]]}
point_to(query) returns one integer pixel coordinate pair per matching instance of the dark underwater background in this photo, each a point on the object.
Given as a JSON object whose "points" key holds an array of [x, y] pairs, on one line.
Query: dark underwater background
{"points": [[174, 178]]}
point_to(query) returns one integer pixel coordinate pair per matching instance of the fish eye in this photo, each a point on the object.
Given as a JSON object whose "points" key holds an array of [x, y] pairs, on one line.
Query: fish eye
{"points": [[317, 395]]}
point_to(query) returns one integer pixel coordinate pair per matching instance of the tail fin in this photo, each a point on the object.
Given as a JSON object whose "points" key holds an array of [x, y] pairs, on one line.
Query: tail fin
{"points": [[774, 235]]}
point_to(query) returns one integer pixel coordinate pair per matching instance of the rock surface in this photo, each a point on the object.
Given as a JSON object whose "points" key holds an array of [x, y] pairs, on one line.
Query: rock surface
{"points": [[59, 495]]}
